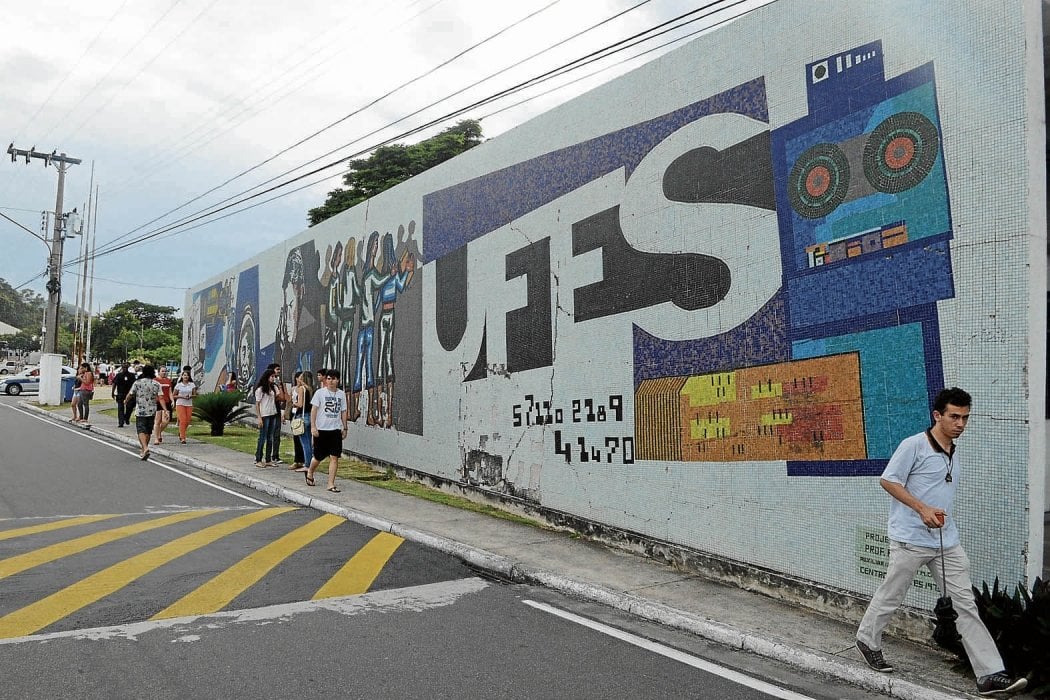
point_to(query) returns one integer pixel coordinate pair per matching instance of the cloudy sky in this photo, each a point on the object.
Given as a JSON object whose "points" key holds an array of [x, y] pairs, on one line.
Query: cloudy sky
{"points": [[176, 106]]}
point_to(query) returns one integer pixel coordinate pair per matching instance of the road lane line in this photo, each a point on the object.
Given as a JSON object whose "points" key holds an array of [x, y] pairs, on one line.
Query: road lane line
{"points": [[56, 525], [680, 656], [412, 600], [19, 563], [83, 433], [217, 593], [361, 570], [67, 601]]}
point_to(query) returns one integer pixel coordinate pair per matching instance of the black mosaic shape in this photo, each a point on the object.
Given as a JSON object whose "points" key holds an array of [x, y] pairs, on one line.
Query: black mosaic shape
{"points": [[530, 340], [480, 369], [634, 280], [450, 297], [819, 180], [740, 174], [900, 152]]}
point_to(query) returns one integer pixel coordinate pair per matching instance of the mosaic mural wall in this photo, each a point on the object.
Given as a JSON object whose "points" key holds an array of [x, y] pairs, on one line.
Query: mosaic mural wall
{"points": [[704, 302]]}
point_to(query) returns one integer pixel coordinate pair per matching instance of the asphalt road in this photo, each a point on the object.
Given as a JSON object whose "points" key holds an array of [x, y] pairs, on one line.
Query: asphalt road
{"points": [[192, 587]]}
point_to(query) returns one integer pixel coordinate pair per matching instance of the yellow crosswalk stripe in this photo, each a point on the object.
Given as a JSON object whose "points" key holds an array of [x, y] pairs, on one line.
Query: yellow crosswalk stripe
{"points": [[65, 602], [54, 525], [17, 564], [216, 594], [361, 570]]}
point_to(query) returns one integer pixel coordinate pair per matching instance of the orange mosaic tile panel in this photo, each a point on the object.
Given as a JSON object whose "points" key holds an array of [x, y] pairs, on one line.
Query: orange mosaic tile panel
{"points": [[799, 410]]}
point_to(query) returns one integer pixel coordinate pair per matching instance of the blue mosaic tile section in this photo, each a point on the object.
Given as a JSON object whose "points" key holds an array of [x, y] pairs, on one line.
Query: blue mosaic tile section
{"points": [[760, 340], [893, 381], [454, 216], [911, 275]]}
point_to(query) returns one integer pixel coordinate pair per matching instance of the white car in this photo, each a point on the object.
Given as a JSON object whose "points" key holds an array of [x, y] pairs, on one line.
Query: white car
{"points": [[27, 381], [9, 367]]}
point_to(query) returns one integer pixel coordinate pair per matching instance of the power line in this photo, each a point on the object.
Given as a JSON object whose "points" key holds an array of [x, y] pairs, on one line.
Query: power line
{"points": [[579, 62], [105, 248], [344, 118], [207, 131]]}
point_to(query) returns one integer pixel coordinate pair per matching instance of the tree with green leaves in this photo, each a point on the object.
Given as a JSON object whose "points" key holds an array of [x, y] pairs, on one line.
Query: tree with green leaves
{"points": [[22, 309], [134, 328], [393, 164]]}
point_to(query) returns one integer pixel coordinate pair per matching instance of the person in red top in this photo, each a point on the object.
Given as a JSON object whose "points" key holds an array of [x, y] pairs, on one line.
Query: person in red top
{"points": [[82, 408], [163, 405]]}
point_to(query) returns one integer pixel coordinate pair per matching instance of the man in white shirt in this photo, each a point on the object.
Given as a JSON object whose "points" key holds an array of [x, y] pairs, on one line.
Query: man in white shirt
{"points": [[328, 427], [922, 476]]}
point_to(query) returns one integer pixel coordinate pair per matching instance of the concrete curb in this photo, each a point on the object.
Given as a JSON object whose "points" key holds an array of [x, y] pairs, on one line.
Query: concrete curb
{"points": [[504, 567]]}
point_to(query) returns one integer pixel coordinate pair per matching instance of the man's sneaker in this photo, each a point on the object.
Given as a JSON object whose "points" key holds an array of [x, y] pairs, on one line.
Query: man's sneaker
{"points": [[874, 658], [277, 461], [1000, 684]]}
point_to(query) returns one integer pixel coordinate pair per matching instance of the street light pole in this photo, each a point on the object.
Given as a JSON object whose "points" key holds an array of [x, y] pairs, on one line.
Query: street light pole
{"points": [[54, 265]]}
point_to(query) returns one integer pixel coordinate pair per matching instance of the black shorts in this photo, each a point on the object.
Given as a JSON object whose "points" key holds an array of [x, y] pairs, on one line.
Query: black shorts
{"points": [[144, 424], [328, 443]]}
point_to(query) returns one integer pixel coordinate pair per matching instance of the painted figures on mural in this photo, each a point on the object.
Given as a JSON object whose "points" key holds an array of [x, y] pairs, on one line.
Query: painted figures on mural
{"points": [[298, 334], [922, 476], [398, 275]]}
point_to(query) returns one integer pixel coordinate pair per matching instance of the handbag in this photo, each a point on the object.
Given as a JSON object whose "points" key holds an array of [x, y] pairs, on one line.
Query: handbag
{"points": [[298, 426]]}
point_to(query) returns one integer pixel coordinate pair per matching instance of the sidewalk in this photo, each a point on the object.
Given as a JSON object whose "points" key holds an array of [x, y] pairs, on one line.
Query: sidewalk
{"points": [[721, 613]]}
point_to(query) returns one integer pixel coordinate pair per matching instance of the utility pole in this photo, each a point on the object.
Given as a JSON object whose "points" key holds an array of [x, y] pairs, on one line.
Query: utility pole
{"points": [[54, 264]]}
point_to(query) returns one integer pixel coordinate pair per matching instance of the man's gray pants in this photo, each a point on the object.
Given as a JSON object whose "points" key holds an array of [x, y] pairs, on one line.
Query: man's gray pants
{"points": [[905, 561]]}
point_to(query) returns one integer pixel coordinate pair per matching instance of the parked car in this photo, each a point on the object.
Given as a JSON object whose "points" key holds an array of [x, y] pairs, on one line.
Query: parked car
{"points": [[27, 381], [9, 367]]}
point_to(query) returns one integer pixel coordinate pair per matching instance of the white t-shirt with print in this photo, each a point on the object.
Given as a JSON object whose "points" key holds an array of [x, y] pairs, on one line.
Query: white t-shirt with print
{"points": [[330, 404]]}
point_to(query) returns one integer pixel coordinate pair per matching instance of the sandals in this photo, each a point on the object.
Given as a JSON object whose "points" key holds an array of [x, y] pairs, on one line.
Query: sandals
{"points": [[310, 480], [334, 489], [144, 456]]}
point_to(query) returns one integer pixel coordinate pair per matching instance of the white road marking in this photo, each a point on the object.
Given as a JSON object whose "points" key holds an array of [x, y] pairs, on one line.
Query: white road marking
{"points": [[86, 434], [186, 629], [675, 654]]}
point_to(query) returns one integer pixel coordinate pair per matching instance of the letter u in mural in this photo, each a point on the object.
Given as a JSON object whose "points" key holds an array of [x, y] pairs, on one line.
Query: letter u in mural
{"points": [[841, 363]]}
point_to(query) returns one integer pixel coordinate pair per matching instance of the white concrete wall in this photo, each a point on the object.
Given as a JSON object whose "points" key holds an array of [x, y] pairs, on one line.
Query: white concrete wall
{"points": [[616, 310]]}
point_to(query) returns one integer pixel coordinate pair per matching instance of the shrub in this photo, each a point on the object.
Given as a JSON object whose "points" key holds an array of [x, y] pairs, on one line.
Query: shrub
{"points": [[220, 409], [1020, 626]]}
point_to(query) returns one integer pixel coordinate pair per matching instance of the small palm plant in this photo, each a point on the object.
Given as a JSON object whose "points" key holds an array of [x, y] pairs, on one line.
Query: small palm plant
{"points": [[220, 409]]}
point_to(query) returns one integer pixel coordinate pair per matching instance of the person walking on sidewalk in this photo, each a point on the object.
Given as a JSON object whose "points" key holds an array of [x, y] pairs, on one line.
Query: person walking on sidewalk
{"points": [[163, 406], [144, 392], [281, 401], [83, 395], [922, 477], [184, 391], [122, 382], [268, 418], [302, 392], [328, 427]]}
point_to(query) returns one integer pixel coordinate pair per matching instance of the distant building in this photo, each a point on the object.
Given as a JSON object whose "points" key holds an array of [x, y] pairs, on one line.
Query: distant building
{"points": [[7, 329]]}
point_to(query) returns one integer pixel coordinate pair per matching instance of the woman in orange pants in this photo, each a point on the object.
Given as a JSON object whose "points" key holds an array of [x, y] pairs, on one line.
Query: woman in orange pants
{"points": [[184, 391]]}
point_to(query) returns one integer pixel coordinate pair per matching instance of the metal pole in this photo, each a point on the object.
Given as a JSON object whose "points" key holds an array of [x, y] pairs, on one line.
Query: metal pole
{"points": [[91, 289], [54, 270], [49, 344]]}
